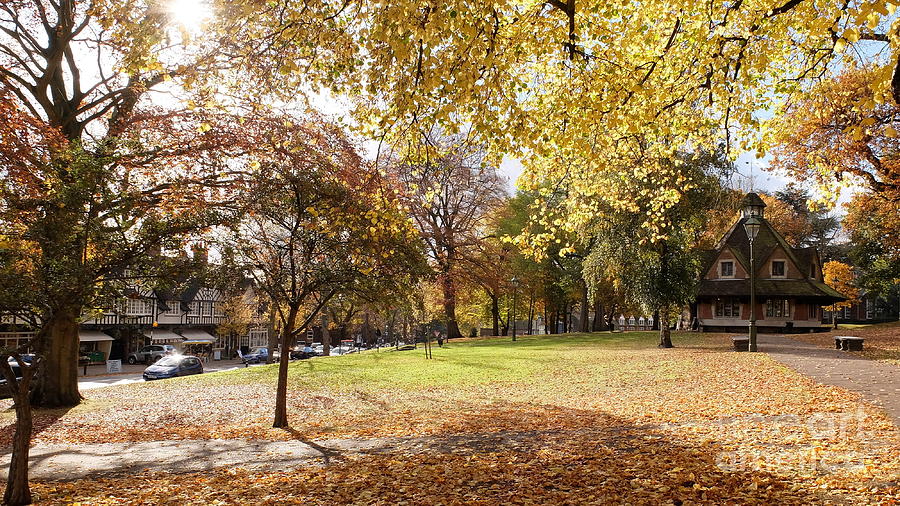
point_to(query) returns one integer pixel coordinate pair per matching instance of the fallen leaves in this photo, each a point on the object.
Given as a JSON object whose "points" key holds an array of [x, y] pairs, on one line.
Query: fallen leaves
{"points": [[577, 419]]}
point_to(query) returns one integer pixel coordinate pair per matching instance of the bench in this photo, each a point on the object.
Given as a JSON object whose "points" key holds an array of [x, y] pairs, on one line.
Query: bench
{"points": [[848, 343], [741, 343]]}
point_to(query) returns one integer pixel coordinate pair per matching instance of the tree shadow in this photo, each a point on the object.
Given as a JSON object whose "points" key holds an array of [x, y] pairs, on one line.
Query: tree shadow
{"points": [[542, 453], [42, 419]]}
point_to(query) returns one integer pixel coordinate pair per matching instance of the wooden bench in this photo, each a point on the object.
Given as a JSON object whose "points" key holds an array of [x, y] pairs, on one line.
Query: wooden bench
{"points": [[741, 343], [848, 343]]}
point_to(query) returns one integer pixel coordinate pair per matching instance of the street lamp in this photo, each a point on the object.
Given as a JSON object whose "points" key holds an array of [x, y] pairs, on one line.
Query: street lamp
{"points": [[751, 226], [515, 292]]}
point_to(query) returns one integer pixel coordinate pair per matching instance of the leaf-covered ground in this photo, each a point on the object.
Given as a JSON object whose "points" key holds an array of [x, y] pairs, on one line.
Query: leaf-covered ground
{"points": [[882, 340], [598, 418]]}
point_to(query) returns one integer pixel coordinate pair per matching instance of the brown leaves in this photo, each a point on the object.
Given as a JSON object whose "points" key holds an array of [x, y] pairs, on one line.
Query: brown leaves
{"points": [[567, 419]]}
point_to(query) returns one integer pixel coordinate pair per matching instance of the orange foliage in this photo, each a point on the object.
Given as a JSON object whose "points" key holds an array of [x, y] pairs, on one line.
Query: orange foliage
{"points": [[792, 226], [839, 130], [839, 276]]}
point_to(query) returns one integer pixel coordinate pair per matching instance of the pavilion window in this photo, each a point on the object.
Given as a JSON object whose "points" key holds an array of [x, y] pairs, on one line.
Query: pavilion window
{"points": [[728, 308], [778, 308], [727, 268], [778, 268]]}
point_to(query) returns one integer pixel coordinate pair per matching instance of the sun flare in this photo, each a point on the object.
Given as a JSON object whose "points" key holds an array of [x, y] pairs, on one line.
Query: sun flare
{"points": [[190, 14]]}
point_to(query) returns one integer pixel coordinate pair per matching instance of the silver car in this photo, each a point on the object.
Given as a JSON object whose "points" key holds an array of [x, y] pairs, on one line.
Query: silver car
{"points": [[150, 354]]}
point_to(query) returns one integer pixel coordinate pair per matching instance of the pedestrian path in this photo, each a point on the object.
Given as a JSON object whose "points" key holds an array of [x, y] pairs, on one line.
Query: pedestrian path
{"points": [[878, 382]]}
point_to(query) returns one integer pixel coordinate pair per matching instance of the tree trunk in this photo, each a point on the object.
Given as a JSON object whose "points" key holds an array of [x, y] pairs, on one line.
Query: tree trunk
{"points": [[281, 419], [505, 329], [656, 325], [58, 385], [450, 307], [585, 321], [609, 319], [531, 313], [326, 337], [17, 488], [665, 335], [495, 314], [273, 337]]}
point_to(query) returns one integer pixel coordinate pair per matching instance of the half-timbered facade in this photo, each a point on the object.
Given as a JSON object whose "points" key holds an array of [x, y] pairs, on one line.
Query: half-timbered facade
{"points": [[790, 291], [188, 317]]}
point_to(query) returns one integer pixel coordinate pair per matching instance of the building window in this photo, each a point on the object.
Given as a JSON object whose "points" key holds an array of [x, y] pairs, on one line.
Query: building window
{"points": [[728, 308], [174, 308], [777, 268], [778, 308], [194, 308], [726, 268], [870, 309], [217, 309], [205, 309], [259, 338], [138, 307], [846, 312]]}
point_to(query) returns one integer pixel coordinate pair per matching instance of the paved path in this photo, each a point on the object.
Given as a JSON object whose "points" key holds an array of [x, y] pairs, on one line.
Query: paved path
{"points": [[878, 382], [73, 461]]}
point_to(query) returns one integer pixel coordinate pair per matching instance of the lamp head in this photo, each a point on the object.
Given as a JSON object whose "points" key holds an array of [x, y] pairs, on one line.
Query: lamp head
{"points": [[751, 226]]}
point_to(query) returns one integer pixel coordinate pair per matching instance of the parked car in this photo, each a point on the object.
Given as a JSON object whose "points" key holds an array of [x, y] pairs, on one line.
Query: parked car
{"points": [[172, 366], [17, 370], [150, 354], [342, 350], [257, 355]]}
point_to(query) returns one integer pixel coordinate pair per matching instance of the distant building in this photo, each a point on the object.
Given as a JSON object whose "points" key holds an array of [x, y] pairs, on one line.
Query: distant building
{"points": [[790, 291], [139, 316], [869, 309]]}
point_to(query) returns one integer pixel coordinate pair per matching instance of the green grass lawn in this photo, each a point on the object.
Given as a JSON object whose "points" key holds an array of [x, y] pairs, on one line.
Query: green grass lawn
{"points": [[457, 364]]}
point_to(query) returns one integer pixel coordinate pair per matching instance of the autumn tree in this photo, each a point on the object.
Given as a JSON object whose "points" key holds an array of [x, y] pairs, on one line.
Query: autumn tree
{"points": [[98, 167], [873, 223], [842, 130], [823, 225], [317, 222], [839, 276], [549, 81], [660, 274], [451, 189]]}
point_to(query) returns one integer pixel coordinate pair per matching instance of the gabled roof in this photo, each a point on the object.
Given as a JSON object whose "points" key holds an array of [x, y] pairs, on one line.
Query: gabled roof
{"points": [[767, 241]]}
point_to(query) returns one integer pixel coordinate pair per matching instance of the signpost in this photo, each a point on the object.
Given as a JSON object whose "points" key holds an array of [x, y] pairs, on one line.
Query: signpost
{"points": [[113, 366]]}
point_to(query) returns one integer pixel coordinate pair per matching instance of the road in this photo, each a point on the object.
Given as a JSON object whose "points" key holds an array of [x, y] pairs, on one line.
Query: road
{"points": [[89, 382]]}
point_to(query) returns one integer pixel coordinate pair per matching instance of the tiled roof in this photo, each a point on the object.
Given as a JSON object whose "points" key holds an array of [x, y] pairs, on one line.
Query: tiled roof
{"points": [[801, 288]]}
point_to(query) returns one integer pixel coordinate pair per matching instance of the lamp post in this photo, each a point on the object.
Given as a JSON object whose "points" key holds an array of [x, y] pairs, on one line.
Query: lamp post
{"points": [[751, 226], [515, 292]]}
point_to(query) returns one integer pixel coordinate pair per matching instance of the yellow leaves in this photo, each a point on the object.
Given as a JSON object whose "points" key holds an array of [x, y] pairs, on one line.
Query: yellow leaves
{"points": [[204, 127], [840, 45], [851, 35]]}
